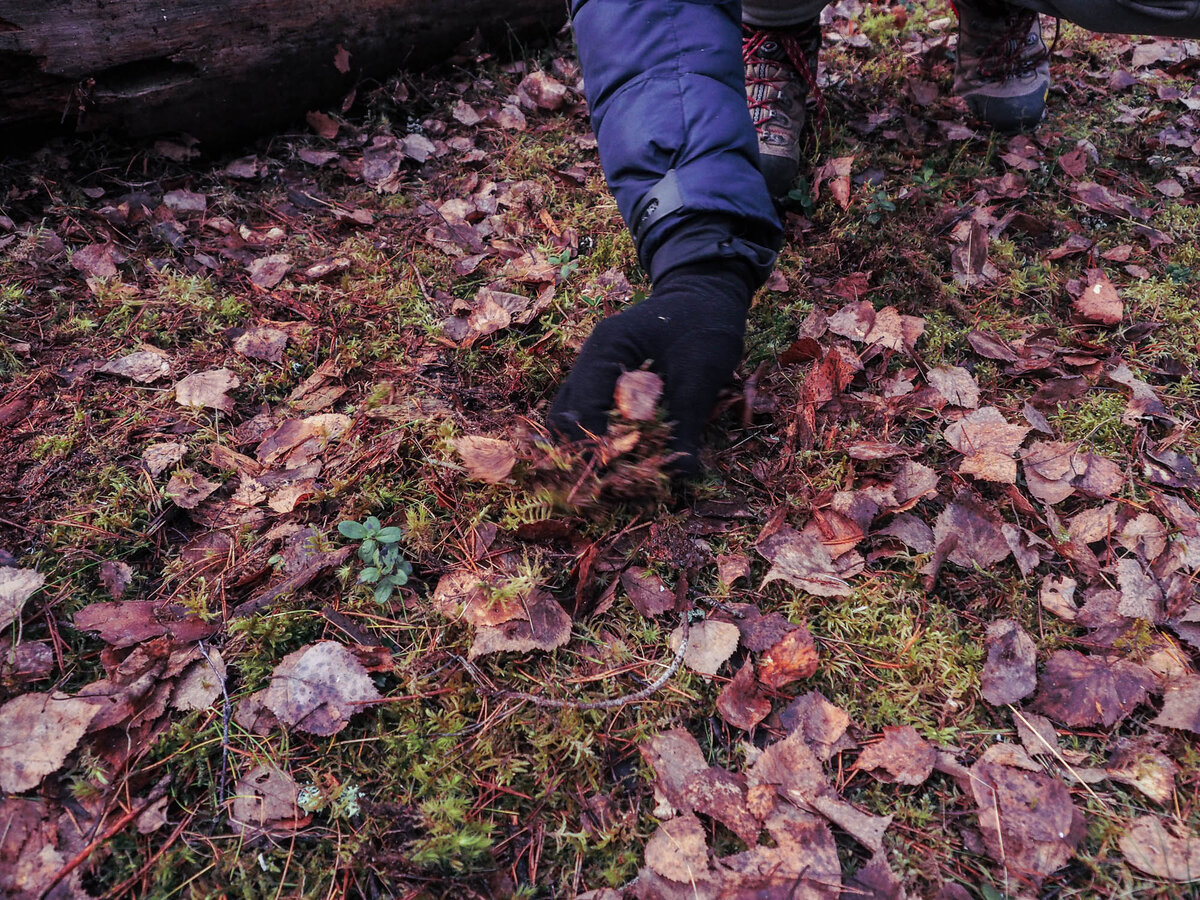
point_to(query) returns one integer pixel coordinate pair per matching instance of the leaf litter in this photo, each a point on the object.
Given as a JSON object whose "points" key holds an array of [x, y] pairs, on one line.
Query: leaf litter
{"points": [[912, 511]]}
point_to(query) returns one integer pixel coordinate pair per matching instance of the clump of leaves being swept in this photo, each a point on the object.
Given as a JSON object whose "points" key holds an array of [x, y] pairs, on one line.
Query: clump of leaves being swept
{"points": [[385, 568]]}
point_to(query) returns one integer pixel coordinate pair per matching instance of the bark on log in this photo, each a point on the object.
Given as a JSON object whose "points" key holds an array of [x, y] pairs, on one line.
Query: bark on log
{"points": [[221, 69]]}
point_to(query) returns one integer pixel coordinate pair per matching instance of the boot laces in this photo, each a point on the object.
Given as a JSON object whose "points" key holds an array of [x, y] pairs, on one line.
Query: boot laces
{"points": [[1006, 56], [757, 50]]}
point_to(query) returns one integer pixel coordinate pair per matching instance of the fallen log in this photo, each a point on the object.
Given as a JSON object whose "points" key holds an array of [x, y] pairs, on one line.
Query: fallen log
{"points": [[221, 69]]}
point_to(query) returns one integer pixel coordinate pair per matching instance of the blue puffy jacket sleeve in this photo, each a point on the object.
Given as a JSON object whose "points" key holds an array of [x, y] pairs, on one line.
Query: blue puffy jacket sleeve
{"points": [[665, 87]]}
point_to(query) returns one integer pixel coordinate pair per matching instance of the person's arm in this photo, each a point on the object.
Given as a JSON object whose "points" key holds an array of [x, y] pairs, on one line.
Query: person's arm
{"points": [[665, 89]]}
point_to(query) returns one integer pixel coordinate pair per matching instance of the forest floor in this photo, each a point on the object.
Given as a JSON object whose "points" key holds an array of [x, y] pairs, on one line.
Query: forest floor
{"points": [[298, 602]]}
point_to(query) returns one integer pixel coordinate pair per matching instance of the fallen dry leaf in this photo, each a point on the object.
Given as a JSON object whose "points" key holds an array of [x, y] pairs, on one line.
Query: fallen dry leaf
{"points": [[1181, 704], [1028, 821], [264, 799], [690, 784], [957, 385], [710, 643], [905, 756], [802, 560], [207, 389], [268, 271], [201, 684], [263, 343], [987, 443], [1166, 852], [115, 576], [1099, 300], [123, 623], [95, 260], [792, 658], [1057, 595], [486, 459], [189, 489], [835, 173], [741, 702], [16, 587], [318, 688], [37, 733], [821, 724], [1051, 468], [636, 395], [1091, 690], [795, 771], [677, 850], [731, 567], [647, 592], [1010, 673], [157, 458], [544, 625], [142, 366], [1138, 763], [975, 530]]}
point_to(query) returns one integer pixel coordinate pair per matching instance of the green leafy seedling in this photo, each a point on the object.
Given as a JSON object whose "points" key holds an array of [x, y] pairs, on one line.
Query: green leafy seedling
{"points": [[385, 567]]}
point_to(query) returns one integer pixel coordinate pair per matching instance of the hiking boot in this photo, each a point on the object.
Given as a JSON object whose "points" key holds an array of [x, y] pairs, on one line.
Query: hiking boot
{"points": [[1003, 65], [781, 74]]}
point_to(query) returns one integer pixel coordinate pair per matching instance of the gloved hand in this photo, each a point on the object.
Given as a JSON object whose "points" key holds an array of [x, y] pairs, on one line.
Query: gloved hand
{"points": [[690, 330]]}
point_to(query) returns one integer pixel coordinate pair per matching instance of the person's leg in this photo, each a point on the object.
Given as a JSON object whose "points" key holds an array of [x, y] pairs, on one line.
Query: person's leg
{"points": [[781, 40], [665, 90], [1003, 65], [1163, 18]]}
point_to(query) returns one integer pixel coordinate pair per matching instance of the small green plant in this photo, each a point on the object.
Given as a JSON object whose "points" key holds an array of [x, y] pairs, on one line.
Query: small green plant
{"points": [[566, 266], [380, 550]]}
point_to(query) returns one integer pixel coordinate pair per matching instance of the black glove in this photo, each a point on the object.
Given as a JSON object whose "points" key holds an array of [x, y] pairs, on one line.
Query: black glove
{"points": [[690, 330]]}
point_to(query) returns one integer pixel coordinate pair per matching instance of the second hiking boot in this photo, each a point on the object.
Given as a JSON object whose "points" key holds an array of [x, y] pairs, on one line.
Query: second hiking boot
{"points": [[1003, 66], [781, 74]]}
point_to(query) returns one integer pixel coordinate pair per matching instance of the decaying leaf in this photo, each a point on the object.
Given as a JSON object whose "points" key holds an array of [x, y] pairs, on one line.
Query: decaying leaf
{"points": [[820, 724], [792, 658], [690, 784], [802, 560], [264, 801], [1099, 300], [1181, 704], [544, 626], [1028, 821], [677, 850], [201, 683], [1010, 673], [486, 459], [115, 576], [37, 732], [710, 643], [318, 688], [268, 271], [142, 366], [157, 458], [207, 389], [794, 770], [636, 395], [1051, 468], [742, 703], [1166, 852], [647, 592], [1057, 595], [189, 489], [975, 530], [1091, 690], [957, 385], [988, 444], [1138, 763], [263, 343], [903, 756], [16, 587]]}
